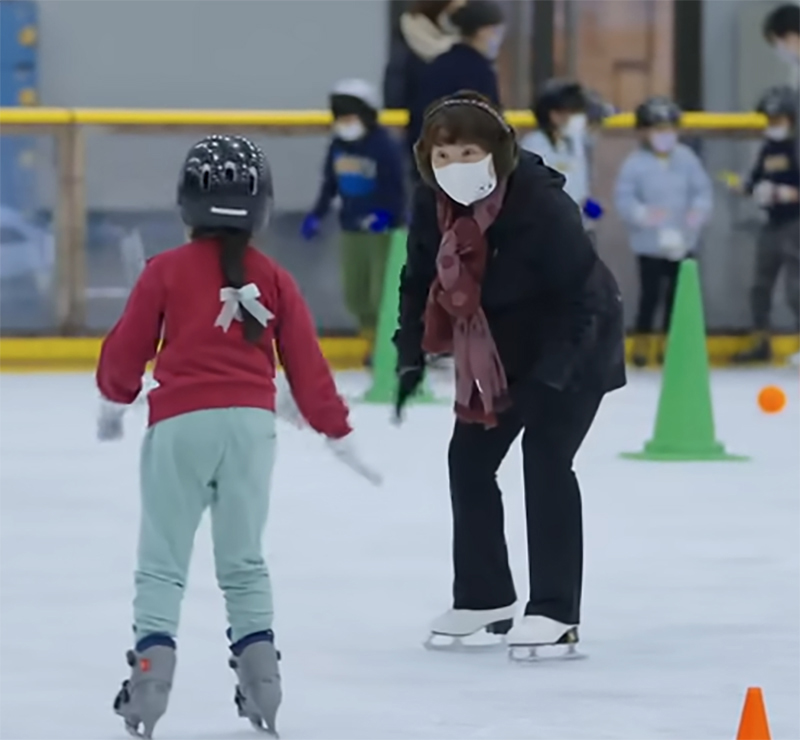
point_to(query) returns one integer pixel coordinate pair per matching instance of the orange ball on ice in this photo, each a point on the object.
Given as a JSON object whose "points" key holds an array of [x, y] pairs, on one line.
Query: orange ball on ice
{"points": [[771, 399]]}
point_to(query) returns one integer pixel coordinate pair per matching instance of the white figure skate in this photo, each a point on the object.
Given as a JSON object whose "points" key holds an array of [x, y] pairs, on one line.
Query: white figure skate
{"points": [[535, 638], [448, 632]]}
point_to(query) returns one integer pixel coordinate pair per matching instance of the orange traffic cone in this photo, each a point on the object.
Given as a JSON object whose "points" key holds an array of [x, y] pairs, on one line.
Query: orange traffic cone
{"points": [[753, 725]]}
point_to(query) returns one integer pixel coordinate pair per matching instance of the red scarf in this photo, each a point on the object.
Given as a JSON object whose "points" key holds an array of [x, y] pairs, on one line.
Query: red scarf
{"points": [[454, 320]]}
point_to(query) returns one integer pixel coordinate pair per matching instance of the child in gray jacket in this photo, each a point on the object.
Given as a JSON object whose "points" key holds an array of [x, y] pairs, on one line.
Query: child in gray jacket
{"points": [[664, 196]]}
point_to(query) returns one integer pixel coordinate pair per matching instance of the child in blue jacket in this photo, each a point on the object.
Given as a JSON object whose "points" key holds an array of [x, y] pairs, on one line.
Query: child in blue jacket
{"points": [[364, 168]]}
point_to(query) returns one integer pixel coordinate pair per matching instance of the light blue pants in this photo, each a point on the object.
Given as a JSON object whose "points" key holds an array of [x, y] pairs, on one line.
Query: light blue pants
{"points": [[219, 459]]}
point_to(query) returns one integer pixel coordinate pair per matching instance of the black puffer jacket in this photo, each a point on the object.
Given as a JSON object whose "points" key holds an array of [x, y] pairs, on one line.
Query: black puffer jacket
{"points": [[553, 306]]}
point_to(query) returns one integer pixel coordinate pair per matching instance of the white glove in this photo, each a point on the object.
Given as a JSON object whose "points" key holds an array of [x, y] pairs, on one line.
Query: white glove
{"points": [[345, 449], [786, 194], [286, 407], [109, 420], [672, 244], [764, 193]]}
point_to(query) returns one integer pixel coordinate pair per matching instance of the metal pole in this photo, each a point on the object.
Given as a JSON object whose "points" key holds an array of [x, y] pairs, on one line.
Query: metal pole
{"points": [[571, 38]]}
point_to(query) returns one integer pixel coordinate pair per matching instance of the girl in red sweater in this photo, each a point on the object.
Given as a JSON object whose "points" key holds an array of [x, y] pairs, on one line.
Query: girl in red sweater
{"points": [[217, 307]]}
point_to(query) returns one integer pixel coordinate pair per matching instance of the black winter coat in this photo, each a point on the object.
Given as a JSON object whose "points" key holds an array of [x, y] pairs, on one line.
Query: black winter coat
{"points": [[554, 308]]}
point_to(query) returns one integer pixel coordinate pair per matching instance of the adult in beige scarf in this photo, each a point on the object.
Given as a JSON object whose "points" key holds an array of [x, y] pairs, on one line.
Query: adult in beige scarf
{"points": [[424, 33]]}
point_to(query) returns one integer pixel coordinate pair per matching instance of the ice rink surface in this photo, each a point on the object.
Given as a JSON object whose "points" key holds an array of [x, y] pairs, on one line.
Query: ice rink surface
{"points": [[692, 581]]}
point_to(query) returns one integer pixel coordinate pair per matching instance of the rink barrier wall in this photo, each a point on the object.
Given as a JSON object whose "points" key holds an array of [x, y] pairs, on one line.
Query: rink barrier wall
{"points": [[68, 128], [80, 354]]}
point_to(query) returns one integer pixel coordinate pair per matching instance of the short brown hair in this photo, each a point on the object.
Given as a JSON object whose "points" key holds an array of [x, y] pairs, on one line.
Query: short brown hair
{"points": [[470, 118]]}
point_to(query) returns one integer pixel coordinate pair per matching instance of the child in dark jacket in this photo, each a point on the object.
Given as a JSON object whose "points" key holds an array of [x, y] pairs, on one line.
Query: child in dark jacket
{"points": [[364, 168], [774, 184]]}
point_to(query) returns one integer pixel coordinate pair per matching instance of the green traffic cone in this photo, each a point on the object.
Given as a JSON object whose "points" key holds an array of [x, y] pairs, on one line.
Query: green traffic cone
{"points": [[384, 355], [684, 428]]}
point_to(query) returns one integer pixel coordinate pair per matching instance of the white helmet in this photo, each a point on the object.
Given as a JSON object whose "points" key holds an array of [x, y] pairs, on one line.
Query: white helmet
{"points": [[361, 90]]}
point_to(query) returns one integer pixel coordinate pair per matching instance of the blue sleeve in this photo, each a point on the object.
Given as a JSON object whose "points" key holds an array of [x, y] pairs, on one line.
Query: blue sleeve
{"points": [[328, 189], [391, 179]]}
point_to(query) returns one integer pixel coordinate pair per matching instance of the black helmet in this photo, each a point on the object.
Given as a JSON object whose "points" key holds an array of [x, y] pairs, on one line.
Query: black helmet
{"points": [[225, 183], [780, 100], [566, 95], [657, 110]]}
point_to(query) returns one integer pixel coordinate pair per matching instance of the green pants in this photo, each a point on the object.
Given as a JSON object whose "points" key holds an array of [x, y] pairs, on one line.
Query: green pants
{"points": [[220, 459], [364, 257]]}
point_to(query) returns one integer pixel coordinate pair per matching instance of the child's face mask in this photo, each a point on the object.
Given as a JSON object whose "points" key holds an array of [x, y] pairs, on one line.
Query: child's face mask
{"points": [[349, 130], [575, 127], [467, 182], [495, 41], [777, 133], [786, 53], [663, 142]]}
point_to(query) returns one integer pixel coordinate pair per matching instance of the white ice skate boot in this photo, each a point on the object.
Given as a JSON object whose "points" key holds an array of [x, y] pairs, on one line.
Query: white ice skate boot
{"points": [[258, 691], [143, 698], [535, 637], [449, 630]]}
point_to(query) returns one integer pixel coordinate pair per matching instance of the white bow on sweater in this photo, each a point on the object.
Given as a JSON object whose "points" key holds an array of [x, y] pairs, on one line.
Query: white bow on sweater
{"points": [[234, 299]]}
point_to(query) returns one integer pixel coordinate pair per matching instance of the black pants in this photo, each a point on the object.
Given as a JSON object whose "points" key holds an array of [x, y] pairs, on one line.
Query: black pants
{"points": [[555, 424], [658, 279], [778, 249]]}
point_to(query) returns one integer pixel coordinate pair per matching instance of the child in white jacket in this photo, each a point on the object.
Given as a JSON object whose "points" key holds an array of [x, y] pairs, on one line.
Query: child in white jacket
{"points": [[664, 196]]}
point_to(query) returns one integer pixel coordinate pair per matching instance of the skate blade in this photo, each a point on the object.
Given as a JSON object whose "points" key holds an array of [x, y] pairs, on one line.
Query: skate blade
{"points": [[134, 731], [543, 653], [453, 644], [263, 728]]}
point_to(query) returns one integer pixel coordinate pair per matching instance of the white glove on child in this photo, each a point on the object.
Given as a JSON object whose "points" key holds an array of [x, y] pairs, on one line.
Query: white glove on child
{"points": [[672, 244], [286, 407], [785, 194], [109, 420], [764, 193], [345, 449]]}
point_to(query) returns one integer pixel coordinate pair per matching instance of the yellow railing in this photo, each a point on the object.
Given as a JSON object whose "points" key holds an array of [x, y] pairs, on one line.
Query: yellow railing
{"points": [[294, 119], [67, 126]]}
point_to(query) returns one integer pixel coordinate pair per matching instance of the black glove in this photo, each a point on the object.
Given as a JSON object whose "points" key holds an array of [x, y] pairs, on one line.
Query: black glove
{"points": [[408, 381]]}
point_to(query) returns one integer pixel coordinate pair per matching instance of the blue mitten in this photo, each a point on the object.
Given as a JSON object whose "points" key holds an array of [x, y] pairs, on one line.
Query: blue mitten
{"points": [[592, 210], [310, 227], [109, 420], [378, 221]]}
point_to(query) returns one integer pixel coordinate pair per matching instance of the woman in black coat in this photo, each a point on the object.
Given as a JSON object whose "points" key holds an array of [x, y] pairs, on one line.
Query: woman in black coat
{"points": [[501, 273]]}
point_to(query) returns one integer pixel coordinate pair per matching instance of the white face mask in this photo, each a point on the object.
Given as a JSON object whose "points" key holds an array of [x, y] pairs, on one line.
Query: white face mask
{"points": [[575, 127], [786, 54], [777, 133], [467, 182], [349, 131], [495, 43], [663, 141]]}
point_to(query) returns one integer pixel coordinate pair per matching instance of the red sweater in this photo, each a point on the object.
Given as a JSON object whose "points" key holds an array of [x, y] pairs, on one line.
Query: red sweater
{"points": [[201, 366]]}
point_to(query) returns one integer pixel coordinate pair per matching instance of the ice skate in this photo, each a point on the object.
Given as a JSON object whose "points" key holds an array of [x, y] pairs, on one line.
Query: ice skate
{"points": [[258, 691], [536, 638], [143, 698], [452, 630]]}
